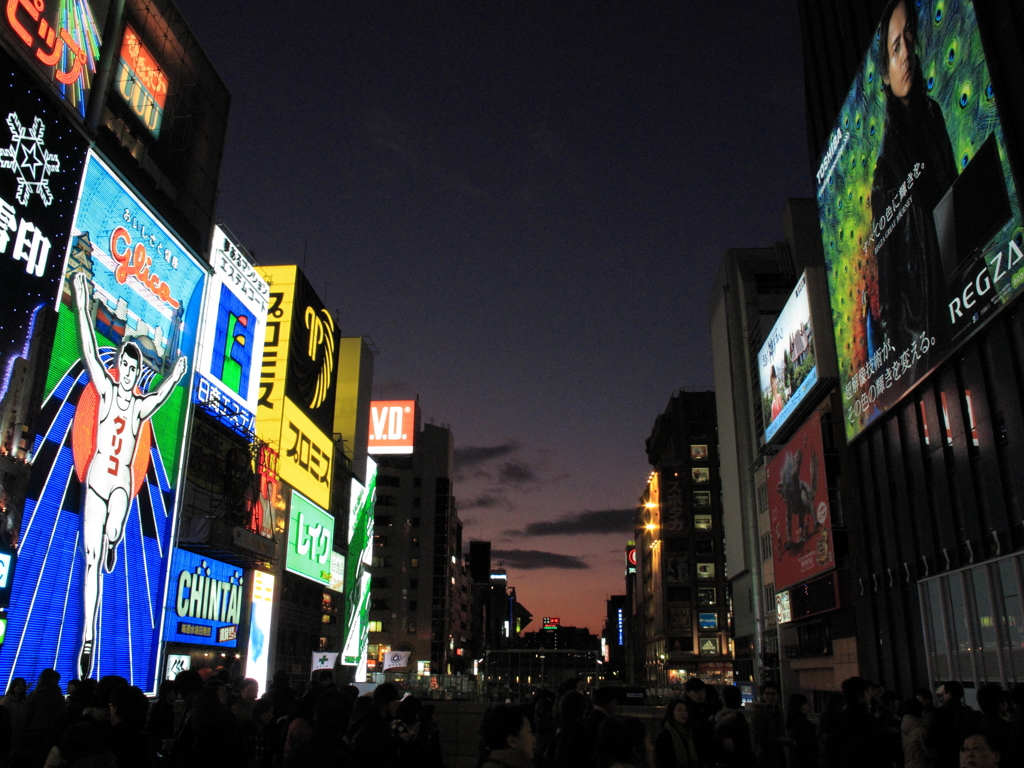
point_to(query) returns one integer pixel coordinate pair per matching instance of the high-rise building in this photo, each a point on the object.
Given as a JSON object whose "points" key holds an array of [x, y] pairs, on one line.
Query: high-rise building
{"points": [[681, 605]]}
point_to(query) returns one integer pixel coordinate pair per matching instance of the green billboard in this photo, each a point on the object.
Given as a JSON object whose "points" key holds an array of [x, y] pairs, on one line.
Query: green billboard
{"points": [[310, 540]]}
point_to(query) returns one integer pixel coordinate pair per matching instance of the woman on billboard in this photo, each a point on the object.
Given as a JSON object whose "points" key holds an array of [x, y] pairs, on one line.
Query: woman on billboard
{"points": [[915, 167]]}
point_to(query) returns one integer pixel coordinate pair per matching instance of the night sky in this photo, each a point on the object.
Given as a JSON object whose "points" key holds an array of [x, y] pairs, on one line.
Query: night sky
{"points": [[524, 204]]}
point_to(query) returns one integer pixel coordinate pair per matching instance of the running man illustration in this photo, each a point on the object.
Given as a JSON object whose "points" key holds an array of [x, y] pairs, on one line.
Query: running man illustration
{"points": [[114, 470]]}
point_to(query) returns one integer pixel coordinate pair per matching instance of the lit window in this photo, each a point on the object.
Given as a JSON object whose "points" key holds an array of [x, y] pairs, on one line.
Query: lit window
{"points": [[376, 626]]}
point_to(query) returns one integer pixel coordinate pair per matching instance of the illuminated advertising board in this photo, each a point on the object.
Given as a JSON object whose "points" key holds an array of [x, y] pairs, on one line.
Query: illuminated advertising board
{"points": [[620, 627], [204, 602], [337, 582], [783, 614], [41, 162], [300, 353], [310, 536], [630, 557], [227, 384], [920, 215], [259, 627], [392, 426], [357, 577], [141, 81], [787, 362], [306, 455], [798, 509], [550, 622], [61, 40], [95, 547]]}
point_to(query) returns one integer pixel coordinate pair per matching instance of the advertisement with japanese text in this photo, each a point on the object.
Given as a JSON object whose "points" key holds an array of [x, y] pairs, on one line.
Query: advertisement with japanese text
{"points": [[310, 538], [920, 216], [204, 602], [798, 511], [357, 574], [95, 544]]}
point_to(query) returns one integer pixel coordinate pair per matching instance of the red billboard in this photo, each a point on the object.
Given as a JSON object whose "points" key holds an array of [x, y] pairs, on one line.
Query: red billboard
{"points": [[798, 511]]}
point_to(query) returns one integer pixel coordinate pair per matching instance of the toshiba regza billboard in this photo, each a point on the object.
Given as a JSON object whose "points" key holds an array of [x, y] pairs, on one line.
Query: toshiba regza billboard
{"points": [[919, 212], [95, 549]]}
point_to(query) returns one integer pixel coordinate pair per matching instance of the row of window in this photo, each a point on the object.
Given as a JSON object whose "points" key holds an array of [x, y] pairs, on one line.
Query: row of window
{"points": [[390, 481]]}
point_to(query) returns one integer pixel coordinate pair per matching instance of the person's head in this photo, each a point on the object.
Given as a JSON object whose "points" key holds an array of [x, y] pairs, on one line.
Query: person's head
{"points": [[798, 704], [677, 711], [623, 740], [333, 712], [731, 697], [924, 696], [507, 727], [408, 709], [220, 687], [891, 701], [249, 690], [855, 690], [990, 699], [48, 677], [696, 690], [129, 365], [386, 698], [263, 711], [913, 707], [189, 684], [72, 684], [897, 49], [770, 693], [281, 679], [604, 698], [106, 686], [166, 692], [17, 687], [980, 750], [129, 705], [572, 684], [572, 707], [952, 690]]}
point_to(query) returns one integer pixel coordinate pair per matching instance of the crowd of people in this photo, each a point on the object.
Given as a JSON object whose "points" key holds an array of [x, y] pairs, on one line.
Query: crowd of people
{"points": [[204, 718], [865, 726]]}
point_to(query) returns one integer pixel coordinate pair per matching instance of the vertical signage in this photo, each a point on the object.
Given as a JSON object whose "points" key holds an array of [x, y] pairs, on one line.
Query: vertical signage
{"points": [[41, 162], [357, 575], [102, 498], [259, 627], [307, 455], [61, 39], [141, 82]]}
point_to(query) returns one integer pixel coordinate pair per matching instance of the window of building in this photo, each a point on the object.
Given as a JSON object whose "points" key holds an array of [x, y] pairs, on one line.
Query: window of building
{"points": [[705, 570], [383, 500], [417, 482], [381, 562], [698, 453], [412, 605], [376, 626], [389, 480], [702, 522], [769, 598], [381, 582], [380, 541], [414, 583], [325, 618], [415, 522], [704, 546], [766, 547], [380, 604], [707, 596], [417, 502], [414, 563], [762, 498]]}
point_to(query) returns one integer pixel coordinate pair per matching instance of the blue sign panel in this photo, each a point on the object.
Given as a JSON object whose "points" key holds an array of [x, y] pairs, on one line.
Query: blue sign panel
{"points": [[204, 602]]}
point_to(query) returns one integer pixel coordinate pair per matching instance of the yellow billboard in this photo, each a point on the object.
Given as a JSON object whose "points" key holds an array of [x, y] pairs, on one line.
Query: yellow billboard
{"points": [[273, 373], [307, 455]]}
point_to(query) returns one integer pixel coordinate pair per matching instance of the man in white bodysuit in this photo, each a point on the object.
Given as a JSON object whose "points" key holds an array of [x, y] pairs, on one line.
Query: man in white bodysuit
{"points": [[108, 482]]}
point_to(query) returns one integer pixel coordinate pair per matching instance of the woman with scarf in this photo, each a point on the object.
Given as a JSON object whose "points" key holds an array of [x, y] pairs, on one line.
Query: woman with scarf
{"points": [[674, 746]]}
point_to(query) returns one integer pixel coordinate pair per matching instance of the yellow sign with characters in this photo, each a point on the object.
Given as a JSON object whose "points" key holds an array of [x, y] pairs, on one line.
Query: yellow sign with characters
{"points": [[307, 455], [273, 373]]}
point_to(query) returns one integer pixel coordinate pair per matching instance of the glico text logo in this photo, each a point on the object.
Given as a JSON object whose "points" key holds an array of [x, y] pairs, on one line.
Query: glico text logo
{"points": [[321, 335], [135, 261]]}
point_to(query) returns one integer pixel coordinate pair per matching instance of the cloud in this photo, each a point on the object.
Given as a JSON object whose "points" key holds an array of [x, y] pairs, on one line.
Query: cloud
{"points": [[516, 473], [486, 501], [598, 521], [474, 455], [534, 559]]}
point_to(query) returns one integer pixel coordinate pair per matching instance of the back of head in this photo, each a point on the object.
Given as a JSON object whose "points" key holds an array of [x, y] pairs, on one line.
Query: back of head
{"points": [[384, 694], [188, 683], [796, 703], [955, 689], [333, 711], [498, 724], [731, 697], [694, 685], [408, 709], [572, 707], [604, 697], [104, 688], [621, 739], [854, 689], [281, 679], [131, 705], [913, 707], [989, 697]]}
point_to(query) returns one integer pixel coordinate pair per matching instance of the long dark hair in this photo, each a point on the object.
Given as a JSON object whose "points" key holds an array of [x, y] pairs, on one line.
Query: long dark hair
{"points": [[671, 708]]}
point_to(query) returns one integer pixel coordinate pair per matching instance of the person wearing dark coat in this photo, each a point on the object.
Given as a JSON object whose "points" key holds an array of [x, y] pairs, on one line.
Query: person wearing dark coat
{"points": [[803, 752], [732, 732], [327, 747], [127, 739], [700, 721], [674, 747], [858, 743], [568, 750], [949, 725], [374, 747]]}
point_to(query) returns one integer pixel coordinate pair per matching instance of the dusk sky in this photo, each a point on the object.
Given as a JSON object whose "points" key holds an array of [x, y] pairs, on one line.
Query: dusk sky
{"points": [[524, 204]]}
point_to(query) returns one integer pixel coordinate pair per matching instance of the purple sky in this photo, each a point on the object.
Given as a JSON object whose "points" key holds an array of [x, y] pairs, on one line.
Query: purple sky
{"points": [[524, 204]]}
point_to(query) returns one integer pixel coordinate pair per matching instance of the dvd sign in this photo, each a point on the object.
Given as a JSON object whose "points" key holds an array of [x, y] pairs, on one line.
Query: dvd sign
{"points": [[392, 426]]}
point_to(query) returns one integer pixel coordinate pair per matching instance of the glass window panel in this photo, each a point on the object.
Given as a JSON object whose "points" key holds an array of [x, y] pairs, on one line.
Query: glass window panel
{"points": [[983, 610], [1013, 621], [935, 605], [958, 614]]}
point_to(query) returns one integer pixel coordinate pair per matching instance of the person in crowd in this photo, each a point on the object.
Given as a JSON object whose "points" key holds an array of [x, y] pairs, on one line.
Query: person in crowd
{"points": [[373, 744], [604, 706], [994, 704], [160, 718], [569, 750], [696, 694], [98, 710], [403, 730], [674, 746], [828, 730], [623, 742], [913, 730], [15, 703], [887, 715], [858, 743], [506, 738], [242, 709], [81, 746], [428, 739], [735, 747], [927, 701], [545, 723], [259, 735], [981, 750], [949, 725], [327, 748], [768, 728], [127, 738], [803, 750], [282, 694], [45, 706], [301, 722], [208, 738]]}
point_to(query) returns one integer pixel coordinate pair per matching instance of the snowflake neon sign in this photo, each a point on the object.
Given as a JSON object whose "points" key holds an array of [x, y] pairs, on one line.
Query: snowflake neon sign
{"points": [[28, 157]]}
